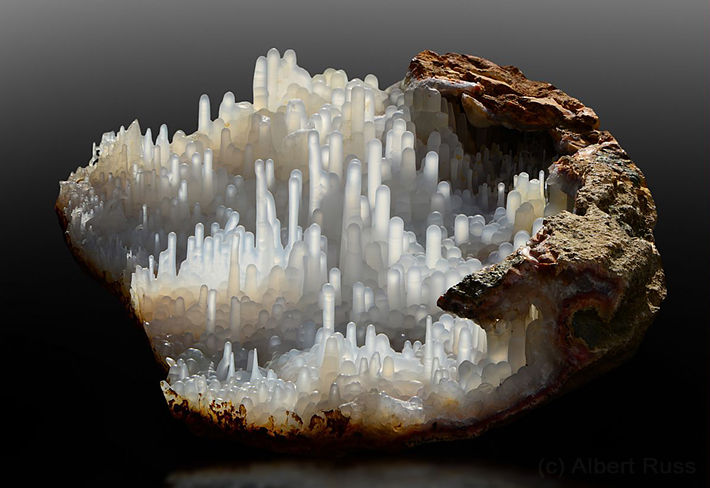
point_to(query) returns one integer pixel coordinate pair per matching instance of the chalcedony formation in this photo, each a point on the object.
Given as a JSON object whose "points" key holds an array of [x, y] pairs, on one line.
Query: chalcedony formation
{"points": [[340, 264]]}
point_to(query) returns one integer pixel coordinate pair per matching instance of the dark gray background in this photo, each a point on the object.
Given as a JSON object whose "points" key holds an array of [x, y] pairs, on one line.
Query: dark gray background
{"points": [[71, 70]]}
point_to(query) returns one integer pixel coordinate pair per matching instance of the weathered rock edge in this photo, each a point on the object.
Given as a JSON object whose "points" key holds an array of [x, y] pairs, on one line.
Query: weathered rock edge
{"points": [[595, 269]]}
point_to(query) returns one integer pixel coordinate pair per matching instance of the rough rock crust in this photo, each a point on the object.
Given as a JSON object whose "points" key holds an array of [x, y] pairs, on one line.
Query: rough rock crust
{"points": [[596, 269], [502, 95]]}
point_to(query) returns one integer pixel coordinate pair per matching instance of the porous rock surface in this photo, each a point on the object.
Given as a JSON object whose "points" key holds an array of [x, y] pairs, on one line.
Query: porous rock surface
{"points": [[597, 268]]}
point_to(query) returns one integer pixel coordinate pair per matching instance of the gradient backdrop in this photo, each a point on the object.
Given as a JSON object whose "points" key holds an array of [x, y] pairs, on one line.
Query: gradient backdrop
{"points": [[80, 390]]}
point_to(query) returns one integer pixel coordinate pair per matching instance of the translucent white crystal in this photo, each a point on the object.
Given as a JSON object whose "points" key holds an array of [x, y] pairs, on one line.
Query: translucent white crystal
{"points": [[288, 255]]}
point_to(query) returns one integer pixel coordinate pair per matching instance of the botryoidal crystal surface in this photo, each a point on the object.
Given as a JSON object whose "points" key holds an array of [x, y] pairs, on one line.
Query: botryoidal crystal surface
{"points": [[288, 260]]}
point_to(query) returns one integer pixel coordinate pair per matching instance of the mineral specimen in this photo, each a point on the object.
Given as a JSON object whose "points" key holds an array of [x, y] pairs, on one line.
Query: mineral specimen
{"points": [[289, 259]]}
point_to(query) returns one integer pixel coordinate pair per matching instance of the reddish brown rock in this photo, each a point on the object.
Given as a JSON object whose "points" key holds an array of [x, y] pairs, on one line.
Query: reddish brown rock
{"points": [[502, 95], [595, 269]]}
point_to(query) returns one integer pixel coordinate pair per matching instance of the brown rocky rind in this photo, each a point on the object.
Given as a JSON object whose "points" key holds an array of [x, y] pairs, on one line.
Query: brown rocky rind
{"points": [[595, 269], [501, 95]]}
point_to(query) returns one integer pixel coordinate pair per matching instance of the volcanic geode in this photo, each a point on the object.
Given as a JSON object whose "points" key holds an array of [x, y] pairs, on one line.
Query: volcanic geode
{"points": [[288, 260]]}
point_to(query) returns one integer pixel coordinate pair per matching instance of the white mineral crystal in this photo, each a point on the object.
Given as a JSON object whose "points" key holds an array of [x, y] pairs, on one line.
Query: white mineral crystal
{"points": [[289, 254]]}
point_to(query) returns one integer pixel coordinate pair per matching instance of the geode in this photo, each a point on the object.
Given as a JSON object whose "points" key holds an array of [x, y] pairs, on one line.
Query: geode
{"points": [[338, 266]]}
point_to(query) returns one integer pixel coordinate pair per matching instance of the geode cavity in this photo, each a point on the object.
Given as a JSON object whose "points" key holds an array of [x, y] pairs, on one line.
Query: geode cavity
{"points": [[338, 266]]}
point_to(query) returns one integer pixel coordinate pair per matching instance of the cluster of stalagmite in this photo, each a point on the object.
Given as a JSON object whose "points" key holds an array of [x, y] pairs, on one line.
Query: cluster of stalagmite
{"points": [[289, 254]]}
